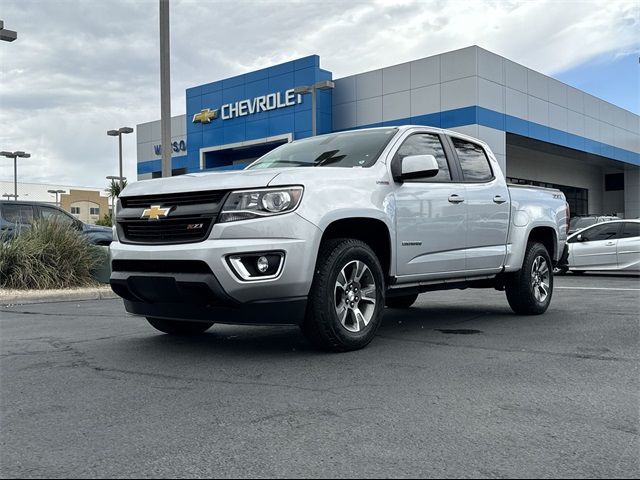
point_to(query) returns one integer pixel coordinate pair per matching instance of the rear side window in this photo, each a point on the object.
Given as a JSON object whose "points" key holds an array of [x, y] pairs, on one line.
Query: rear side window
{"points": [[631, 229], [473, 160], [427, 144], [21, 214]]}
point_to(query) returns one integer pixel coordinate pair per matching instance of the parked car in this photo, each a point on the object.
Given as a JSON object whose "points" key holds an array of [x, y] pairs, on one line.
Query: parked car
{"points": [[15, 216], [377, 217], [609, 246], [579, 223]]}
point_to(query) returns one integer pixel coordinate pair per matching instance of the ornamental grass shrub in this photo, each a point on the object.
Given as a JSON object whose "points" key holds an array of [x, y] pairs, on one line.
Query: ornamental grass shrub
{"points": [[48, 255]]}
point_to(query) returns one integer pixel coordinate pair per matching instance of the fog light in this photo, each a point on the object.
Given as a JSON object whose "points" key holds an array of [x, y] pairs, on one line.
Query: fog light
{"points": [[263, 264], [256, 266]]}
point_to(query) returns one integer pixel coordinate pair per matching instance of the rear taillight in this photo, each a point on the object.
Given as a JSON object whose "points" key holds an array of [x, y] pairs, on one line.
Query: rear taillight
{"points": [[568, 218]]}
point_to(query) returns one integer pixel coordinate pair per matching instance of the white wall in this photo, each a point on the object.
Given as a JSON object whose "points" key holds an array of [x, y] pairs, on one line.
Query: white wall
{"points": [[544, 167]]}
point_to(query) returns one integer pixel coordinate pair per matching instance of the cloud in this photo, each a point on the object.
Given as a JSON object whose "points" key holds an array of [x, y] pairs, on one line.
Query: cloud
{"points": [[80, 68]]}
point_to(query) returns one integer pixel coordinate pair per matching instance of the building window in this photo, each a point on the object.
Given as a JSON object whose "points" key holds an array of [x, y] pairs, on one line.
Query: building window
{"points": [[94, 211], [577, 198], [75, 210], [614, 182]]}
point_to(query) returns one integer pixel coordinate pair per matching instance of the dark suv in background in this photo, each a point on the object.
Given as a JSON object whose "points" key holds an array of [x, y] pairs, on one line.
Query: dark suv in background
{"points": [[15, 216]]}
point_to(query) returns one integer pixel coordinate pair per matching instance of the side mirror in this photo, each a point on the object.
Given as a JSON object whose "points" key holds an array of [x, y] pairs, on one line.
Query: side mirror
{"points": [[417, 166], [580, 238]]}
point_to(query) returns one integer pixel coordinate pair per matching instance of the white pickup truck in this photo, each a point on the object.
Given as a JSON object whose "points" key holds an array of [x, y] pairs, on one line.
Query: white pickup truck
{"points": [[377, 217]]}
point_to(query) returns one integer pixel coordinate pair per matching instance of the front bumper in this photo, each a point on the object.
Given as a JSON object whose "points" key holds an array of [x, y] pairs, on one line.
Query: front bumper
{"points": [[216, 293]]}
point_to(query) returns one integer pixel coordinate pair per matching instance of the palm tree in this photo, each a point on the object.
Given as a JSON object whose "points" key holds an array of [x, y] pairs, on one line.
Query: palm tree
{"points": [[114, 189]]}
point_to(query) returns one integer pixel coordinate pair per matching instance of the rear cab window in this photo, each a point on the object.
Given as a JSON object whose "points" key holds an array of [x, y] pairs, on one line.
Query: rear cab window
{"points": [[473, 161]]}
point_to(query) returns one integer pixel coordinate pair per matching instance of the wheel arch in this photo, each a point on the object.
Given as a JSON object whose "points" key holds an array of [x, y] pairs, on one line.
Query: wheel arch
{"points": [[372, 231]]}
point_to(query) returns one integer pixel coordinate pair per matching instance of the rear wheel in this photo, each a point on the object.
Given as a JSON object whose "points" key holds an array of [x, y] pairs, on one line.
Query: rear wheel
{"points": [[346, 301], [402, 301], [179, 327], [529, 290]]}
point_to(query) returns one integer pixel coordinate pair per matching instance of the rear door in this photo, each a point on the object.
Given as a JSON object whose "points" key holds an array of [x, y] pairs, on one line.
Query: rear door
{"points": [[431, 214], [598, 248], [487, 198], [629, 246]]}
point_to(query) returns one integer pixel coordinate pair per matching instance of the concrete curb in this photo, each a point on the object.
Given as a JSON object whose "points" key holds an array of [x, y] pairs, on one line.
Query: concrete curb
{"points": [[24, 297]]}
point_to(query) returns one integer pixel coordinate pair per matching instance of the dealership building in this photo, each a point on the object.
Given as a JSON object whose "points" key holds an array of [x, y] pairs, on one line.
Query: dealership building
{"points": [[542, 131]]}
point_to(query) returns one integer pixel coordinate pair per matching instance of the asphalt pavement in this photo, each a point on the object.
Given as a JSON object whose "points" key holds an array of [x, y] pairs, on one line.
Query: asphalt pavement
{"points": [[457, 386]]}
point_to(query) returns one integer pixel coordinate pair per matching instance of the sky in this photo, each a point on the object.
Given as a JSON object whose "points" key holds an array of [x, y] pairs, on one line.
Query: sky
{"points": [[80, 68]]}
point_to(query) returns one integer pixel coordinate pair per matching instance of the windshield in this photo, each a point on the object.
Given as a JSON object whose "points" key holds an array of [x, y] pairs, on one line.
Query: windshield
{"points": [[346, 149]]}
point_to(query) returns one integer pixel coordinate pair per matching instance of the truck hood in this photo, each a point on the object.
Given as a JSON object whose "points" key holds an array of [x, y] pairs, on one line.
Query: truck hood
{"points": [[202, 182], [241, 179]]}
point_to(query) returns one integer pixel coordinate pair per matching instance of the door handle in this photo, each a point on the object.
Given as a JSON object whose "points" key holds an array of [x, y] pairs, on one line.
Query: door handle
{"points": [[455, 198], [498, 199], [610, 244]]}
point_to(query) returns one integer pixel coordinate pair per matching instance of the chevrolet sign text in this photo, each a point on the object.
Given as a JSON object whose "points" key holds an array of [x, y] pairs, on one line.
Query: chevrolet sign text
{"points": [[264, 103]]}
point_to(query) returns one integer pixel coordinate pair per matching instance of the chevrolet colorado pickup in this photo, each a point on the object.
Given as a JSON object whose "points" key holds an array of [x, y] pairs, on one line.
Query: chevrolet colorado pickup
{"points": [[378, 216]]}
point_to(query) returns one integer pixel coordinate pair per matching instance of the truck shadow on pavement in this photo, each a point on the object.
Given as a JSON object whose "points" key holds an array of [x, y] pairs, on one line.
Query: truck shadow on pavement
{"points": [[429, 323]]}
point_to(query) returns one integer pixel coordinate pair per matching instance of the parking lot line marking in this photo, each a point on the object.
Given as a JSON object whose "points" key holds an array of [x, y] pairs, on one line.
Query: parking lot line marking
{"points": [[601, 288]]}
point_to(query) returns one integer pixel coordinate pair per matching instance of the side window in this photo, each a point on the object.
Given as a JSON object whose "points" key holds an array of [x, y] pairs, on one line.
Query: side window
{"points": [[630, 230], [605, 231], [55, 215], [20, 214], [473, 161], [426, 144]]}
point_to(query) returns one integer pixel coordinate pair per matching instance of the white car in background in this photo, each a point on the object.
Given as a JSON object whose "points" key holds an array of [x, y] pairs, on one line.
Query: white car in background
{"points": [[604, 246]]}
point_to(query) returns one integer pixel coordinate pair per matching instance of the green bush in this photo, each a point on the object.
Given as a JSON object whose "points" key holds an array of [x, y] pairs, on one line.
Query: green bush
{"points": [[105, 221], [48, 255]]}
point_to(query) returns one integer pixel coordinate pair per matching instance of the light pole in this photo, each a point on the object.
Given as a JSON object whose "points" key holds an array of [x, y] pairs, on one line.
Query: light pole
{"points": [[15, 156], [118, 133], [165, 89], [7, 35], [303, 89], [56, 193]]}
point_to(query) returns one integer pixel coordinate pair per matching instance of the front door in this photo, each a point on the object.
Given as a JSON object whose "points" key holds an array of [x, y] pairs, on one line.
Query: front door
{"points": [[431, 215], [598, 248]]}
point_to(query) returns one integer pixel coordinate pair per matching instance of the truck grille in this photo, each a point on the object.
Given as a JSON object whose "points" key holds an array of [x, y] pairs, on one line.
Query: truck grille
{"points": [[188, 198], [190, 219]]}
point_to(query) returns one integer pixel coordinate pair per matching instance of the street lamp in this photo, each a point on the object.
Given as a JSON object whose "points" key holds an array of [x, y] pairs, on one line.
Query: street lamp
{"points": [[301, 90], [118, 133], [56, 193], [15, 156], [7, 35]]}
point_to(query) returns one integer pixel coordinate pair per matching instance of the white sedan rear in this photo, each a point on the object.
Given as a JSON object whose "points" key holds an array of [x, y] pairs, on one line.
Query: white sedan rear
{"points": [[606, 246]]}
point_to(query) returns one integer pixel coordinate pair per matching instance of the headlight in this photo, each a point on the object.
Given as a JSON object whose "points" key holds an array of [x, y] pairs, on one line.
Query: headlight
{"points": [[246, 204]]}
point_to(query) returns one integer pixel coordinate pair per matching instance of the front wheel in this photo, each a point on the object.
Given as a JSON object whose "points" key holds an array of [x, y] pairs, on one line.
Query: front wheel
{"points": [[346, 301], [529, 290], [179, 327]]}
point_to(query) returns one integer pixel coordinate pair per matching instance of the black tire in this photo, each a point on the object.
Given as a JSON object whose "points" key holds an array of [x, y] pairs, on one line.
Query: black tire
{"points": [[520, 287], [179, 327], [403, 301], [322, 326]]}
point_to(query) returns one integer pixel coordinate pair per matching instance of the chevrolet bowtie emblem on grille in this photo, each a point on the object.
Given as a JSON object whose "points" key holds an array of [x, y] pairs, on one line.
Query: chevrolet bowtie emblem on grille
{"points": [[205, 116], [155, 212]]}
